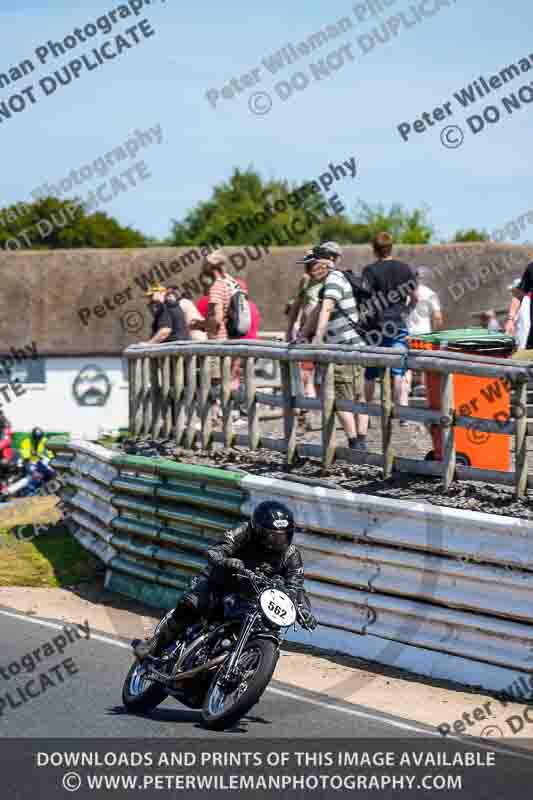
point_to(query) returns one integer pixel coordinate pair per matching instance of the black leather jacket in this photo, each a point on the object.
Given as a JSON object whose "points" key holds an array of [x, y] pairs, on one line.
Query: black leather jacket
{"points": [[240, 543]]}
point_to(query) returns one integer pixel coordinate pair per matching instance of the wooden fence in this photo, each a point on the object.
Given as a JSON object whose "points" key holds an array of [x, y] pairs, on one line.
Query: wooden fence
{"points": [[169, 385]]}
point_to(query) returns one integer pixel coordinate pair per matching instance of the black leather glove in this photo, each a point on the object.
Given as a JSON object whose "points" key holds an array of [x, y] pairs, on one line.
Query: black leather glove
{"points": [[234, 564], [308, 618]]}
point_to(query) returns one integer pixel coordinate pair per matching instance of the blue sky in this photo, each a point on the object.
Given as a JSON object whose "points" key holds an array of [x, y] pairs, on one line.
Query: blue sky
{"points": [[354, 112]]}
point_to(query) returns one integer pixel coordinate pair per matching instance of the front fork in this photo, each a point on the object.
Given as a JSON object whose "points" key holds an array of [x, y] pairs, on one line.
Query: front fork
{"points": [[239, 647]]}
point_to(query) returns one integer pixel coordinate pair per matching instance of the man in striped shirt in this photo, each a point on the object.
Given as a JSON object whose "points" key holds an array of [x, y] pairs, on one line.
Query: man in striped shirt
{"points": [[337, 325], [219, 296]]}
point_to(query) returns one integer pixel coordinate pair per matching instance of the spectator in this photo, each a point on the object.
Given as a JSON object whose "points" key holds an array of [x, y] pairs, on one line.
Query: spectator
{"points": [[6, 436], [253, 332], [489, 320], [306, 318], [523, 317], [425, 317], [337, 321], [194, 321], [393, 287], [294, 308], [33, 451], [162, 320], [219, 297], [525, 287]]}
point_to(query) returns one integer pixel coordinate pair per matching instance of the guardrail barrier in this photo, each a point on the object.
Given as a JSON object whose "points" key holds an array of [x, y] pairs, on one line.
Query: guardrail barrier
{"points": [[405, 584]]}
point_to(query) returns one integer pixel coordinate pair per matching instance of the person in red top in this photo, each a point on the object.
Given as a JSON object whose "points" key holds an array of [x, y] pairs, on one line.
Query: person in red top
{"points": [[218, 301], [6, 435]]}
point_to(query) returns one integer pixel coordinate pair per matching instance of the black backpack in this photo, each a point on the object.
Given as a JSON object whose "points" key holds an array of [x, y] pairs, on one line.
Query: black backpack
{"points": [[368, 317]]}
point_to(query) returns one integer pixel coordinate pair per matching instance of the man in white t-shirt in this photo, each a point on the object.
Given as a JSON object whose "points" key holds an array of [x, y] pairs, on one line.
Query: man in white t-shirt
{"points": [[425, 317], [522, 320]]}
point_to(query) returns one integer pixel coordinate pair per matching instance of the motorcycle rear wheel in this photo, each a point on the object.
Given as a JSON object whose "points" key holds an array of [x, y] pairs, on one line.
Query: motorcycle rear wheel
{"points": [[259, 659], [138, 694]]}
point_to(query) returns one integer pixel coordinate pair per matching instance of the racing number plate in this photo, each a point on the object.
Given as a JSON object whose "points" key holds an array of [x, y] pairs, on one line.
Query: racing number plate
{"points": [[278, 607]]}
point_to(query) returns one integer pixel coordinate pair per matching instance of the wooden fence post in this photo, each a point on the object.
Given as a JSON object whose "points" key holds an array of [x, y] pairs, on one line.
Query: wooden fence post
{"points": [[521, 440], [227, 402], [135, 395], [147, 395], [190, 399], [386, 423], [179, 398], [329, 444], [289, 417], [251, 404], [166, 405], [447, 431], [155, 392], [205, 408]]}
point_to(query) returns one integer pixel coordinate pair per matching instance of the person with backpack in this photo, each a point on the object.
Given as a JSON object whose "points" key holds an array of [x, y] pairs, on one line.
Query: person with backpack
{"points": [[304, 309], [228, 313], [338, 323], [393, 288]]}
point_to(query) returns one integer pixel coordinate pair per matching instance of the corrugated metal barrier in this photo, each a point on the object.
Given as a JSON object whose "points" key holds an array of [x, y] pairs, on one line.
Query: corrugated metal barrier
{"points": [[439, 592]]}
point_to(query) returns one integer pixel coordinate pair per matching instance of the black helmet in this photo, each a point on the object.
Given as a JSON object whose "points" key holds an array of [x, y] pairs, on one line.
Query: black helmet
{"points": [[37, 434], [273, 525]]}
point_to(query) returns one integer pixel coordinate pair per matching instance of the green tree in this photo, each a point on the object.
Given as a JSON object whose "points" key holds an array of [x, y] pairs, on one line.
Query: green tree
{"points": [[246, 210], [471, 235], [50, 223], [404, 226], [342, 230]]}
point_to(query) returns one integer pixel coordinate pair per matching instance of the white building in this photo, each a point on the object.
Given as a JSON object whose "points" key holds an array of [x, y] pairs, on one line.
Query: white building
{"points": [[82, 395]]}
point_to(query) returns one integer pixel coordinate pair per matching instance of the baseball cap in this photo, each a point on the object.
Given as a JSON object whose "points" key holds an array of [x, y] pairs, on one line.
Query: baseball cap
{"points": [[156, 287], [309, 258], [328, 248]]}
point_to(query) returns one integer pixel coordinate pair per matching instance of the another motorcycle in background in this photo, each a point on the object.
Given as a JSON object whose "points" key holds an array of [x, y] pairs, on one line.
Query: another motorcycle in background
{"points": [[26, 480], [220, 666]]}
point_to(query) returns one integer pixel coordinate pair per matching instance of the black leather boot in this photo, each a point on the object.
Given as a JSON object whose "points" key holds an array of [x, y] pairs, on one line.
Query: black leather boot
{"points": [[165, 633]]}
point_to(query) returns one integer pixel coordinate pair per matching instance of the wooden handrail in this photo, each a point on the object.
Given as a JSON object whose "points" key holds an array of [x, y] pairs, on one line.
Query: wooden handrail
{"points": [[171, 383]]}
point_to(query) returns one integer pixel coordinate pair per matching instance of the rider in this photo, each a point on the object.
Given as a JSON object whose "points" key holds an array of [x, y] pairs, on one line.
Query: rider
{"points": [[265, 543], [35, 454]]}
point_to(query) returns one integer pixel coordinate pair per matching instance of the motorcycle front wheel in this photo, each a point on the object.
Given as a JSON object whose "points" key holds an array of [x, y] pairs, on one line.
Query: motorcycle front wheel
{"points": [[139, 694], [225, 704]]}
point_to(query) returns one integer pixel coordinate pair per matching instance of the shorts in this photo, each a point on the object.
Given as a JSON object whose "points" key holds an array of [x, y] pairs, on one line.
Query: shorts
{"points": [[346, 378], [398, 342]]}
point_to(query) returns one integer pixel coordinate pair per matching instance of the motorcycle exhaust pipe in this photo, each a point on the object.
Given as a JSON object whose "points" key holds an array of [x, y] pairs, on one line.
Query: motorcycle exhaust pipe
{"points": [[166, 679]]}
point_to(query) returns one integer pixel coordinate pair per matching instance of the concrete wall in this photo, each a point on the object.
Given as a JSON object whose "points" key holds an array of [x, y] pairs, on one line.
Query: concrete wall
{"points": [[43, 292]]}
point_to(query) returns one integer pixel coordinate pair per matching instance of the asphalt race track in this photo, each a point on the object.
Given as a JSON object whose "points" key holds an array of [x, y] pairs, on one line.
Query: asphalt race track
{"points": [[87, 702]]}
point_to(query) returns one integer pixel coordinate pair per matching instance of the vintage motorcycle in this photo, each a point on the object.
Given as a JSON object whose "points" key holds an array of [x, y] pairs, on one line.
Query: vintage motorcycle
{"points": [[25, 481], [221, 666]]}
